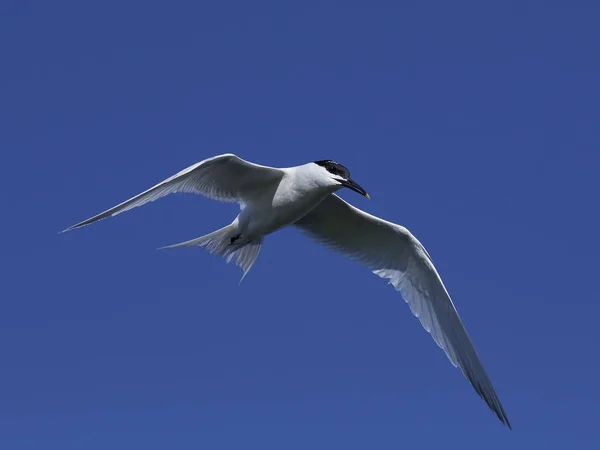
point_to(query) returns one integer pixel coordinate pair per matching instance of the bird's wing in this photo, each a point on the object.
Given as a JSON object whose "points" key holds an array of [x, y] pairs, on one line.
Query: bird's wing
{"points": [[224, 177], [393, 253]]}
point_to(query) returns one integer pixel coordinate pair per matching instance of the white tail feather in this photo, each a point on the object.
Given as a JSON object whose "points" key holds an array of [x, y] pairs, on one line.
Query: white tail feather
{"points": [[219, 242]]}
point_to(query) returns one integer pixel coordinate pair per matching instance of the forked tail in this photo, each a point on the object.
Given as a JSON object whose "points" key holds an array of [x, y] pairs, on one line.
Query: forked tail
{"points": [[222, 242]]}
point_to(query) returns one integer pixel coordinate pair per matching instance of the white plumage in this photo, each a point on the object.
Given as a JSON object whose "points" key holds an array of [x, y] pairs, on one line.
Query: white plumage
{"points": [[304, 196]]}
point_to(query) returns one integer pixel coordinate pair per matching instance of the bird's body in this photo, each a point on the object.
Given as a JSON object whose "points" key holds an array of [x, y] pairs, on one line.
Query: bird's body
{"points": [[283, 202], [304, 196]]}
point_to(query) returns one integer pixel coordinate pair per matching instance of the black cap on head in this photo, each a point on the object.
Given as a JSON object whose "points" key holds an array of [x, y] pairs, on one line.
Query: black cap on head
{"points": [[334, 168]]}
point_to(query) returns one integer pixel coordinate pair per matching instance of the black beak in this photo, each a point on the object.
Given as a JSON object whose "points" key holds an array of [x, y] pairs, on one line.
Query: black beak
{"points": [[354, 186]]}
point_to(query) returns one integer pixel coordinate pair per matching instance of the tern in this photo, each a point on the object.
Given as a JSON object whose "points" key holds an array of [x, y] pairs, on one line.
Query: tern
{"points": [[304, 196]]}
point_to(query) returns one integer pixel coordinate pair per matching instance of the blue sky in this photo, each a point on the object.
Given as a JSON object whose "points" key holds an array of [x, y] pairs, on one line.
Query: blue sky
{"points": [[475, 126]]}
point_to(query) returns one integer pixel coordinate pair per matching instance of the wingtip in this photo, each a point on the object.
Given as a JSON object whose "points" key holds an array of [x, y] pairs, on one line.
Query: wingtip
{"points": [[505, 420], [180, 244], [74, 227], [502, 416]]}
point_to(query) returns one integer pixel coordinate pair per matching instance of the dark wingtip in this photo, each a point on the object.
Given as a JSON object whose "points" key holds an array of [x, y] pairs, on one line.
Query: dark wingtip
{"points": [[489, 397], [72, 227], [503, 417]]}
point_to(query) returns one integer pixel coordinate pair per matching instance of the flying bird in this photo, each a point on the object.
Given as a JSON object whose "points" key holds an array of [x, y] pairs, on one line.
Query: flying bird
{"points": [[304, 196]]}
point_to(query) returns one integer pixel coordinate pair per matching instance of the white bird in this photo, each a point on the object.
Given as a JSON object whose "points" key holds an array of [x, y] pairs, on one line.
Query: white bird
{"points": [[272, 198]]}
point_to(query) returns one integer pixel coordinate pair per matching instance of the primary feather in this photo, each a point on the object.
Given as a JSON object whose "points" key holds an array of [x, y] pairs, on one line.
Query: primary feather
{"points": [[271, 198], [226, 178], [393, 253]]}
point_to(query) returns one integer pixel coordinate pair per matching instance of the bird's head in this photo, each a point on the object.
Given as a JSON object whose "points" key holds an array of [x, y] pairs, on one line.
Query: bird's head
{"points": [[340, 176]]}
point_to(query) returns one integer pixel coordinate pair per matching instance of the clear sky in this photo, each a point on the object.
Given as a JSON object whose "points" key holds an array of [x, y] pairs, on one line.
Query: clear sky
{"points": [[474, 124]]}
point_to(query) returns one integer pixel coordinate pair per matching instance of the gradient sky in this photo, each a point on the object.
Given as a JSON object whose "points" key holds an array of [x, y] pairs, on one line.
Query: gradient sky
{"points": [[475, 126]]}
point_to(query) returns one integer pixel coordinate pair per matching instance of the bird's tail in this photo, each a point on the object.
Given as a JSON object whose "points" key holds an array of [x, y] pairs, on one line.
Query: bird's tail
{"points": [[222, 242]]}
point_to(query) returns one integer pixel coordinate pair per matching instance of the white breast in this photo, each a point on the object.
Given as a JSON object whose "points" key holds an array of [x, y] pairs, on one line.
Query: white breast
{"points": [[298, 192]]}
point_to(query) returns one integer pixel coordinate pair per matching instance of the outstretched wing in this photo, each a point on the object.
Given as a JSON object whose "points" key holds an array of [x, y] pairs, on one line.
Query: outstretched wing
{"points": [[225, 177], [393, 253]]}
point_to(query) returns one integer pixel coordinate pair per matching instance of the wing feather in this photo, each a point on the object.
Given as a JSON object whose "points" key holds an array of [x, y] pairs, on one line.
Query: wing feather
{"points": [[225, 177], [393, 253]]}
